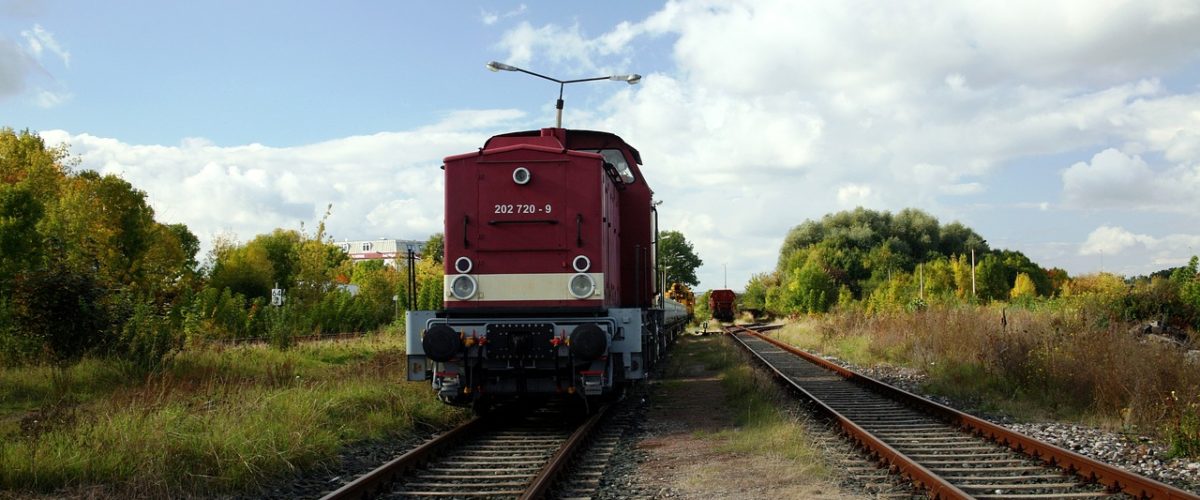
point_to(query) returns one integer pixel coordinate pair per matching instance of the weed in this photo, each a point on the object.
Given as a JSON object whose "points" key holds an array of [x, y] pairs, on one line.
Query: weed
{"points": [[213, 423], [1047, 360]]}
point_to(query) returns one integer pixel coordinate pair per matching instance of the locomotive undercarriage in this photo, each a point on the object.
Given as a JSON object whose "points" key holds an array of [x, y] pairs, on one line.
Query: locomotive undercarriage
{"points": [[477, 360]]}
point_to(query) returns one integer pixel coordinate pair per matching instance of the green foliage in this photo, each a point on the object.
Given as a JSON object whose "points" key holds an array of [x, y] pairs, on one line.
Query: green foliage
{"points": [[105, 247], [808, 289], [435, 248], [701, 311], [1187, 279], [242, 269], [20, 212], [1183, 427], [62, 310], [890, 262], [279, 247], [148, 340], [755, 296], [678, 257], [216, 423]]}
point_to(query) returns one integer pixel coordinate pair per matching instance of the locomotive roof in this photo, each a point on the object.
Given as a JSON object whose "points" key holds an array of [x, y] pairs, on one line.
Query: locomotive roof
{"points": [[591, 139]]}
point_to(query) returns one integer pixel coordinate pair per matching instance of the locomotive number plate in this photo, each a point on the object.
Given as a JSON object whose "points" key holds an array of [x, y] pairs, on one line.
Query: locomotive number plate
{"points": [[522, 208], [520, 341]]}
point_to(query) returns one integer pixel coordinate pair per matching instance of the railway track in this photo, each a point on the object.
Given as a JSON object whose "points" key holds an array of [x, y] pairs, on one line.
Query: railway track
{"points": [[513, 456], [947, 453]]}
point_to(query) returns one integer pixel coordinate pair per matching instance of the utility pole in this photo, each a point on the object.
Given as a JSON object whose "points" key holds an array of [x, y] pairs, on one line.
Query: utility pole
{"points": [[972, 272], [725, 267], [922, 268]]}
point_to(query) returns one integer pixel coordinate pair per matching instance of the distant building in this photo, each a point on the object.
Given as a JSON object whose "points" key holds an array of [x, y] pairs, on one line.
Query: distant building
{"points": [[389, 251]]}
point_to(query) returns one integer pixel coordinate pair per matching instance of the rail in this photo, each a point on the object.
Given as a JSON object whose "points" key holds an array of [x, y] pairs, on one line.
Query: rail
{"points": [[398, 473], [1089, 470]]}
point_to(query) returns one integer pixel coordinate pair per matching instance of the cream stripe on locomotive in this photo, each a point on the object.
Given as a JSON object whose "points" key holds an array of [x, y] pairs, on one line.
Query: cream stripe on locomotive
{"points": [[545, 286]]}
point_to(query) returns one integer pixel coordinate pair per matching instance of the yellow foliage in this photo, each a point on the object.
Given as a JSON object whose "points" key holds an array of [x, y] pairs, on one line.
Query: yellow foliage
{"points": [[1024, 287]]}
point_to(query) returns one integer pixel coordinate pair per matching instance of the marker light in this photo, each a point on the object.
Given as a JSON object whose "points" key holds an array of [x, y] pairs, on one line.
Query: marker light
{"points": [[463, 265], [521, 175]]}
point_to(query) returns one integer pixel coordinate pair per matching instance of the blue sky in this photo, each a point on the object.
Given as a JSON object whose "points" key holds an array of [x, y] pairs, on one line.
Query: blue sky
{"points": [[1069, 131]]}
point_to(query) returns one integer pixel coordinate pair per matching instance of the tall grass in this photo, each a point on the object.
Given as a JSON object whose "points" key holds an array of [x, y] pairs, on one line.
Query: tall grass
{"points": [[219, 421], [1047, 362]]}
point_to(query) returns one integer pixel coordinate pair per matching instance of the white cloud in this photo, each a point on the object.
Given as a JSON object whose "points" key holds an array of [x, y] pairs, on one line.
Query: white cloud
{"points": [[49, 99], [1116, 180], [40, 40], [812, 107], [252, 189], [1149, 253], [853, 195], [490, 17], [1112, 240], [22, 68]]}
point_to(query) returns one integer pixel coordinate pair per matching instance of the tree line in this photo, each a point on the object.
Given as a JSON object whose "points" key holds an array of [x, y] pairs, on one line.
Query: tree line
{"points": [[884, 261], [85, 268]]}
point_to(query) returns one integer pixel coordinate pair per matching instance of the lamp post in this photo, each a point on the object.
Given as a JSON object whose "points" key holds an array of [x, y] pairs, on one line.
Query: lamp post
{"points": [[558, 106]]}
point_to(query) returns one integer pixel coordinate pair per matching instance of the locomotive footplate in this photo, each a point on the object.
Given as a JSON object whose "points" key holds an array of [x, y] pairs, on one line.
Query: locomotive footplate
{"points": [[521, 341]]}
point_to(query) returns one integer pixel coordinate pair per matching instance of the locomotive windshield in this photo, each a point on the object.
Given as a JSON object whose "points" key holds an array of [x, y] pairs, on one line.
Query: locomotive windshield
{"points": [[617, 159]]}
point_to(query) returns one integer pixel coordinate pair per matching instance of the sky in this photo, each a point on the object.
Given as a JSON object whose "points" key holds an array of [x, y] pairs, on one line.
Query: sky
{"points": [[1067, 130]]}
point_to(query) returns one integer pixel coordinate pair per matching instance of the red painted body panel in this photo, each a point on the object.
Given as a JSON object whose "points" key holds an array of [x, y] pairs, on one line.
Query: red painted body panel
{"points": [[722, 304], [569, 207]]}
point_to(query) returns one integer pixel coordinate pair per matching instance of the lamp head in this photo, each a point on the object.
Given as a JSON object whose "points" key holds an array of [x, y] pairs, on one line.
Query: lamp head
{"points": [[497, 66], [630, 79]]}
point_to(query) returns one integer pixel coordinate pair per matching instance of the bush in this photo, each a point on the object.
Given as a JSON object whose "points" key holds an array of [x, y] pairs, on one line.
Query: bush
{"points": [[61, 310], [148, 340]]}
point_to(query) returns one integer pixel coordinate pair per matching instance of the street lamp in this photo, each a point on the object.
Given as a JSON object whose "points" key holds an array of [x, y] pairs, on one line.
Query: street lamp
{"points": [[630, 79]]}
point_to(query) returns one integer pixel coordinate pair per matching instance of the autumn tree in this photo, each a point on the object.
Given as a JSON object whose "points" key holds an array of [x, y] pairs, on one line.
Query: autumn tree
{"points": [[1023, 288]]}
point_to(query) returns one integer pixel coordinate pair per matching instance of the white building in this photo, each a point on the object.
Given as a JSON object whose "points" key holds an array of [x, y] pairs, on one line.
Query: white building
{"points": [[389, 251]]}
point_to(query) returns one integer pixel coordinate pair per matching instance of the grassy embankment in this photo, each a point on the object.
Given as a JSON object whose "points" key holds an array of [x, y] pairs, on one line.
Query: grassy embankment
{"points": [[1044, 364], [219, 420], [762, 428]]}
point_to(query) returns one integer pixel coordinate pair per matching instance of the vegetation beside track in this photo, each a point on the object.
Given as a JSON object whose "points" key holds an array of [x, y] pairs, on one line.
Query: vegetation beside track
{"points": [[1031, 363], [763, 428], [218, 420]]}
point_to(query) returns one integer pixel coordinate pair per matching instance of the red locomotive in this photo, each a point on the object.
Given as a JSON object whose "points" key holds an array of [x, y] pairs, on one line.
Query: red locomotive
{"points": [[550, 263], [723, 304]]}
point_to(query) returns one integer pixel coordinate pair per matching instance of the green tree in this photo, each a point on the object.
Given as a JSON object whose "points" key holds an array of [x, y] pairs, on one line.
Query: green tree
{"points": [[435, 248], [243, 270], [20, 212], [991, 279], [755, 296], [280, 247], [678, 257]]}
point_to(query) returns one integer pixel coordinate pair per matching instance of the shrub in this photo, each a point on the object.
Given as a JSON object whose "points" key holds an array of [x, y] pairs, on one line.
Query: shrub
{"points": [[62, 310], [148, 340]]}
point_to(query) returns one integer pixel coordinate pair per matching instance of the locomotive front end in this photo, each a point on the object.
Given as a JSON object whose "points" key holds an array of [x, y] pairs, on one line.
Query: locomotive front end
{"points": [[532, 276]]}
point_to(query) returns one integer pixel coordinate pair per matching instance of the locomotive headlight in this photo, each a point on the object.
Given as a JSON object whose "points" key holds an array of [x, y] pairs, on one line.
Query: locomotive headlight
{"points": [[581, 263], [582, 286], [521, 175], [463, 287], [463, 265]]}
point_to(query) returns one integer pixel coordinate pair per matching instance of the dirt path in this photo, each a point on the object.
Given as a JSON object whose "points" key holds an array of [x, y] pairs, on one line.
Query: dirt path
{"points": [[689, 422]]}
